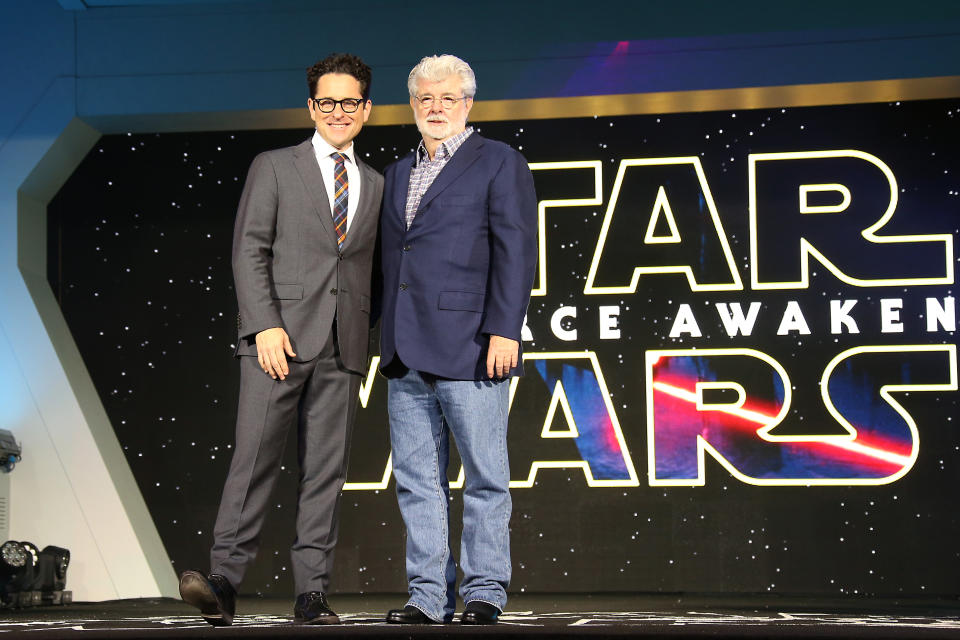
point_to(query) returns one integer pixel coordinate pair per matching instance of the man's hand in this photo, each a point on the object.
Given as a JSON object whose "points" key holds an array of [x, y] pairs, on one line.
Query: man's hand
{"points": [[502, 356], [271, 346]]}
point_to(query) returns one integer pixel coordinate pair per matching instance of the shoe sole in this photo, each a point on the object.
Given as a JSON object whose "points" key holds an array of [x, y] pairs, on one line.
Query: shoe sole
{"points": [[396, 620], [195, 591], [411, 622], [319, 620]]}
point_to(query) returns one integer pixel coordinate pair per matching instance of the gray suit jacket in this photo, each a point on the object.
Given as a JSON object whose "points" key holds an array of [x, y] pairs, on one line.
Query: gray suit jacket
{"points": [[286, 266]]}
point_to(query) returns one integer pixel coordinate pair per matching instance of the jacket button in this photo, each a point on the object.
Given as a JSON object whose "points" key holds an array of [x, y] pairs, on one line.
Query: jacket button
{"points": [[403, 286], [333, 291], [406, 247]]}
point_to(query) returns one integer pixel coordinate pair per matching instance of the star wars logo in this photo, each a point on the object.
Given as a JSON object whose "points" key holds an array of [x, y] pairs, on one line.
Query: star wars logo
{"points": [[807, 210]]}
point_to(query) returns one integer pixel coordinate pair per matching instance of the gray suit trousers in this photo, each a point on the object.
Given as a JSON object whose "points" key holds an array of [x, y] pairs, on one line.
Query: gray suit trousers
{"points": [[320, 397]]}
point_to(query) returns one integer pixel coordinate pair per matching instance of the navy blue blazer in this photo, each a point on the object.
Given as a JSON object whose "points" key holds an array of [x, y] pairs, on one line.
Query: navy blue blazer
{"points": [[464, 269]]}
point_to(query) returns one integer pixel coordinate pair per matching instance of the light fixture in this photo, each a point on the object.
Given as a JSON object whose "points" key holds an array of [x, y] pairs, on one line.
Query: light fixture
{"points": [[10, 451], [30, 577]]}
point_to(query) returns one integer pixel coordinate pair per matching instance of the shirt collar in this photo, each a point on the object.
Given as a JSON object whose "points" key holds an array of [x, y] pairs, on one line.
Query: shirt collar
{"points": [[446, 149], [323, 149]]}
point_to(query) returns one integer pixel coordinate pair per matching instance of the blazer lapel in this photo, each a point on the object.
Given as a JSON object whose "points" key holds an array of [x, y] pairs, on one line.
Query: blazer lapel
{"points": [[401, 185], [465, 156], [305, 160]]}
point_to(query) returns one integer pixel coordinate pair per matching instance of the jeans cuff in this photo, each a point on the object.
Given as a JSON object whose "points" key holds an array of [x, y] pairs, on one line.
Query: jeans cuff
{"points": [[488, 601]]}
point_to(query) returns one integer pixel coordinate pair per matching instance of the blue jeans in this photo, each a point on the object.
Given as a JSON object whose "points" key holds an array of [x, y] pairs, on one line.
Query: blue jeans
{"points": [[424, 412]]}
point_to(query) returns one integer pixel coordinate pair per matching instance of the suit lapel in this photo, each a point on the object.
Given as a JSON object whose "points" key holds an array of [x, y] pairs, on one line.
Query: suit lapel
{"points": [[465, 156], [305, 160], [401, 185]]}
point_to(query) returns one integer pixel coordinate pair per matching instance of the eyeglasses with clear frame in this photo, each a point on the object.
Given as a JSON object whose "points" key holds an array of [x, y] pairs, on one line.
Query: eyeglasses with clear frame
{"points": [[327, 105], [447, 102]]}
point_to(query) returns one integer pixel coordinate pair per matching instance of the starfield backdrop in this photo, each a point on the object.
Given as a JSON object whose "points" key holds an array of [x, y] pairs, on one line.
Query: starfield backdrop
{"points": [[741, 350]]}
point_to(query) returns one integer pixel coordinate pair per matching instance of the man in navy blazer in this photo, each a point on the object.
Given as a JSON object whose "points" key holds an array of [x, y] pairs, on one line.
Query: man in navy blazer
{"points": [[458, 244]]}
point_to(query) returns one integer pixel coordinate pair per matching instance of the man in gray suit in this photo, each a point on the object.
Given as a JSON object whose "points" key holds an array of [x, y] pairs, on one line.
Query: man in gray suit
{"points": [[303, 248]]}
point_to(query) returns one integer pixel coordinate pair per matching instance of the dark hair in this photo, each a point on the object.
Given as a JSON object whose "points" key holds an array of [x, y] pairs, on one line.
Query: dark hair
{"points": [[345, 63]]}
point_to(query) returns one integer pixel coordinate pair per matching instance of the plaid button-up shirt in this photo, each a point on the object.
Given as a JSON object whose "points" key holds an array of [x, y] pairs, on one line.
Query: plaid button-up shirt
{"points": [[425, 170]]}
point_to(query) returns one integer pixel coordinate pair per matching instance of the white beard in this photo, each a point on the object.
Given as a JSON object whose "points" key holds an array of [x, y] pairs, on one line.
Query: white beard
{"points": [[435, 130]]}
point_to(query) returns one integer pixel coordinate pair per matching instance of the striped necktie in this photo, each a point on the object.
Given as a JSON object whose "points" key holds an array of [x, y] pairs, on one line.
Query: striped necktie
{"points": [[340, 190]]}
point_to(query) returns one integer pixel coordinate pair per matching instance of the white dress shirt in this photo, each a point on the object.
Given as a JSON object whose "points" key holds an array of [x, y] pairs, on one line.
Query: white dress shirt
{"points": [[323, 149]]}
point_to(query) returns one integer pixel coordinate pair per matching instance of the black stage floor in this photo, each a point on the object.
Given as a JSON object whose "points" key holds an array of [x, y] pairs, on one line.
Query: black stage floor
{"points": [[528, 616]]}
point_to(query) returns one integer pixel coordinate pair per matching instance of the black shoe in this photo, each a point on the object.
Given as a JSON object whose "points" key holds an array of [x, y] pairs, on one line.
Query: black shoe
{"points": [[312, 608], [408, 615], [213, 595], [479, 612]]}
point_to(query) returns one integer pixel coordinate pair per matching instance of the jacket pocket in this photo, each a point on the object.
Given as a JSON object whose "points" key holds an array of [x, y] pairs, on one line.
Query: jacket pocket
{"points": [[461, 301], [287, 291]]}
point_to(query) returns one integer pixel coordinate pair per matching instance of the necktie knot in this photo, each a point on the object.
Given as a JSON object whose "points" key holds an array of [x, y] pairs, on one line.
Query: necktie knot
{"points": [[338, 157]]}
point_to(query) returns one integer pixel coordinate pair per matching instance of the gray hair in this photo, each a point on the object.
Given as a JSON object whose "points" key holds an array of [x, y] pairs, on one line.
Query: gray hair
{"points": [[439, 68]]}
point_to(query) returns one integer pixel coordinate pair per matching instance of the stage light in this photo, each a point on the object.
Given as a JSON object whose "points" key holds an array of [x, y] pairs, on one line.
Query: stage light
{"points": [[59, 559], [13, 558], [10, 451], [30, 577], [17, 574]]}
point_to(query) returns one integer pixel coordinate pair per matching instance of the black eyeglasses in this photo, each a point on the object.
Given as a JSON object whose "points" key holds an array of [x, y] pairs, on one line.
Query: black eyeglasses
{"points": [[327, 105], [447, 102]]}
